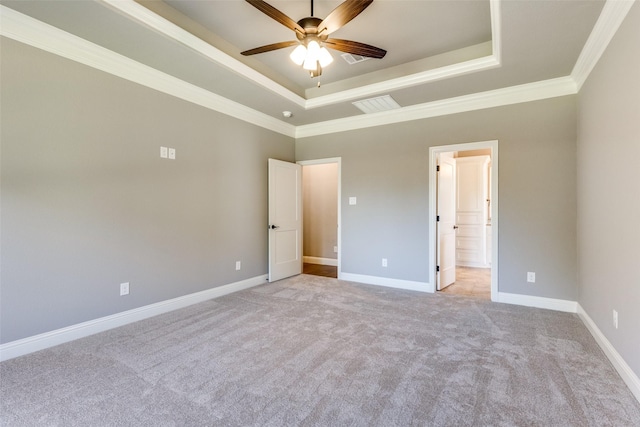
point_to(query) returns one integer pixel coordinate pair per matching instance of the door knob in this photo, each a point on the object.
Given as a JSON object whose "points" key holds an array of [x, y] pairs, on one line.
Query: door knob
{"points": [[455, 227], [273, 227]]}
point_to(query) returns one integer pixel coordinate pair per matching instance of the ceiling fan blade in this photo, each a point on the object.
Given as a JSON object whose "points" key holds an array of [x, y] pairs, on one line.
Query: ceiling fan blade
{"points": [[356, 48], [342, 14], [270, 47], [274, 13]]}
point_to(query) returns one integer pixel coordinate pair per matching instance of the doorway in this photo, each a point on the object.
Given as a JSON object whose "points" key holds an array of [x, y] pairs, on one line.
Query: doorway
{"points": [[321, 217], [468, 188]]}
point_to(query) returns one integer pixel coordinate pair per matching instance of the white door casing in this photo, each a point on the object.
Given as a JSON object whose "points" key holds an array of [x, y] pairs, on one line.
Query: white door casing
{"points": [[446, 231], [285, 219], [494, 209]]}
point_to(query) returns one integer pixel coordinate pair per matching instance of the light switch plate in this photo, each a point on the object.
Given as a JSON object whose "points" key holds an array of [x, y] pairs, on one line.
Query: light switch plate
{"points": [[164, 152], [172, 153], [352, 200]]}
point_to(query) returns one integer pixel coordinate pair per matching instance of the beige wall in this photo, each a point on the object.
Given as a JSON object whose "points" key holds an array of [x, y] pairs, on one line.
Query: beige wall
{"points": [[386, 168], [609, 191], [87, 202], [320, 210]]}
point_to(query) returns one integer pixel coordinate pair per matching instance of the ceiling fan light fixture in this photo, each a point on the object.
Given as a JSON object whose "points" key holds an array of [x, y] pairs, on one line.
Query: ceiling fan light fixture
{"points": [[324, 57], [299, 54], [310, 64]]}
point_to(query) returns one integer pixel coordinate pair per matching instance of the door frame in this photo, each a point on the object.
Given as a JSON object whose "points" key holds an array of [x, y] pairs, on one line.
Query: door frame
{"points": [[337, 160], [433, 153]]}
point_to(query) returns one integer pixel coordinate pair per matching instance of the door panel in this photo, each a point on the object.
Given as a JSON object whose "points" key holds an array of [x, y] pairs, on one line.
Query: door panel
{"points": [[285, 219], [446, 210]]}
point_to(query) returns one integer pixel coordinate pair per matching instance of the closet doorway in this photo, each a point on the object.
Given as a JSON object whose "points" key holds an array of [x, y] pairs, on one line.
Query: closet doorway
{"points": [[321, 217], [464, 219]]}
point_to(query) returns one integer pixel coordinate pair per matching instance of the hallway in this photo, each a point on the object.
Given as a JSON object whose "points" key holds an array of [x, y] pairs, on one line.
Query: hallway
{"points": [[471, 282]]}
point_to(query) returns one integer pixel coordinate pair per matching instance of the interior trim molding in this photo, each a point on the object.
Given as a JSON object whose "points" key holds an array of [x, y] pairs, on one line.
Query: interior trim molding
{"points": [[386, 281], [610, 19], [30, 31], [60, 336], [320, 261], [493, 98], [624, 370], [169, 29], [441, 73], [538, 302]]}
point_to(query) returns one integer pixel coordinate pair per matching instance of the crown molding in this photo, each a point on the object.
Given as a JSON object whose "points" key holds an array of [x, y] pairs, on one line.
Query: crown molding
{"points": [[494, 98], [25, 29], [169, 29], [30, 31], [145, 16], [496, 30], [440, 73], [612, 15]]}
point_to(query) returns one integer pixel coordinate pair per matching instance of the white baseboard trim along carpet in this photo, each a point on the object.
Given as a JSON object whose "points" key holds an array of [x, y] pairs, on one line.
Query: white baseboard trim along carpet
{"points": [[49, 339], [625, 371], [385, 281], [538, 302], [59, 336]]}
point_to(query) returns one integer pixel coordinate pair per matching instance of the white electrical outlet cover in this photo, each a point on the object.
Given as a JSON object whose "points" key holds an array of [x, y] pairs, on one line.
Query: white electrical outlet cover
{"points": [[164, 152], [124, 288], [172, 153], [352, 200]]}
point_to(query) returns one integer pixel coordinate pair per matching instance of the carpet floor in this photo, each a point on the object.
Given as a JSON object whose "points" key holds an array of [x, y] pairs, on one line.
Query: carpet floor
{"points": [[315, 351]]}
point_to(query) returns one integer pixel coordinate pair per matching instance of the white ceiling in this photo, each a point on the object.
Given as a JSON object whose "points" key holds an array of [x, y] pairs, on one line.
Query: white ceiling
{"points": [[437, 49]]}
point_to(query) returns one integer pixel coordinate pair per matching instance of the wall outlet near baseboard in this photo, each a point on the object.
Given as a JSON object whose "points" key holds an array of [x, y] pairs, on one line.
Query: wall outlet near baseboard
{"points": [[615, 319], [124, 289], [238, 265], [384, 262], [531, 277], [335, 249]]}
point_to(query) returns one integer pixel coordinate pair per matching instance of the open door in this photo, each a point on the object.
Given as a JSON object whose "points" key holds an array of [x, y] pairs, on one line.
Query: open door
{"points": [[285, 219], [446, 225]]}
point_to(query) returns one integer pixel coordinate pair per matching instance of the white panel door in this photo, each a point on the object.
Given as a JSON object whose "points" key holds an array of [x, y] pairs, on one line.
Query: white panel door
{"points": [[446, 212], [471, 206], [285, 219]]}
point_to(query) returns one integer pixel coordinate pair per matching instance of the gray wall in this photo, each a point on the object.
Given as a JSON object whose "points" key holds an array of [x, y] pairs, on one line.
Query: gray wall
{"points": [[609, 191], [320, 210], [87, 203], [386, 168]]}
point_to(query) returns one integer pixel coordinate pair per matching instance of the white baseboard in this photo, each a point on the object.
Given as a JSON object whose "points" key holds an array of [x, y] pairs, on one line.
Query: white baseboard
{"points": [[625, 371], [59, 336], [385, 281], [538, 302], [320, 261]]}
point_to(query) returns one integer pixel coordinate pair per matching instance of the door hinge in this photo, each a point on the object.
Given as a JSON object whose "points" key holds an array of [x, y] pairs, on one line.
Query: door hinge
{"points": [[438, 168], [437, 218], [437, 268]]}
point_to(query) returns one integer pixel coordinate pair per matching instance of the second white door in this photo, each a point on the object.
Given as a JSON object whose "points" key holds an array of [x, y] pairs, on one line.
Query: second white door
{"points": [[285, 219]]}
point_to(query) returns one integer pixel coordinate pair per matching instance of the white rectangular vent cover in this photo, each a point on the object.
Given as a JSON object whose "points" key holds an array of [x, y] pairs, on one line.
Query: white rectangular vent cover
{"points": [[376, 105], [353, 58]]}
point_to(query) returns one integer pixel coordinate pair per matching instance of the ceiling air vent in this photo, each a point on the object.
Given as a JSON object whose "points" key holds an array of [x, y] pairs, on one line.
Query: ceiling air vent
{"points": [[352, 58], [376, 105]]}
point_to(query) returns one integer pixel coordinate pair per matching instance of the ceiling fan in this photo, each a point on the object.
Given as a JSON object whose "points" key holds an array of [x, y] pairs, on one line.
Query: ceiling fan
{"points": [[313, 35]]}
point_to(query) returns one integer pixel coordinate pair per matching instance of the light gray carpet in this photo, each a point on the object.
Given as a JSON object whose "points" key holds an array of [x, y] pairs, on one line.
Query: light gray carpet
{"points": [[316, 351]]}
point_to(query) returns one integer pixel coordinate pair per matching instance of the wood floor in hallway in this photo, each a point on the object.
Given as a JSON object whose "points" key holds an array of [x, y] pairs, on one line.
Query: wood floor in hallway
{"points": [[320, 270]]}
